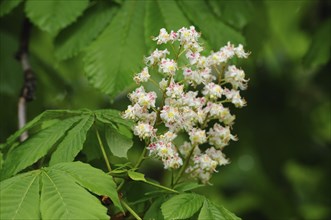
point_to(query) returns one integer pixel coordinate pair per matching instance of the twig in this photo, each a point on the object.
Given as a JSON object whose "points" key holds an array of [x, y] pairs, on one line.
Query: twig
{"points": [[29, 84]]}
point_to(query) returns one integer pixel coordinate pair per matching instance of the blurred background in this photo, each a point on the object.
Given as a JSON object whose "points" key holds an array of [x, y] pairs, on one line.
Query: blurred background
{"points": [[280, 167]]}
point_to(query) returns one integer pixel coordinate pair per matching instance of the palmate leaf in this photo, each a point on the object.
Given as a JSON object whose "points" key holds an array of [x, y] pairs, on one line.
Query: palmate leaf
{"points": [[52, 16], [73, 142], [214, 31], [182, 206], [118, 52], [35, 147], [80, 34], [64, 131], [56, 193], [7, 6], [19, 197]]}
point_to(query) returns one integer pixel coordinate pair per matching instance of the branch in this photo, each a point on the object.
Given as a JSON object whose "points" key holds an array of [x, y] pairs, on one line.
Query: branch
{"points": [[29, 84]]}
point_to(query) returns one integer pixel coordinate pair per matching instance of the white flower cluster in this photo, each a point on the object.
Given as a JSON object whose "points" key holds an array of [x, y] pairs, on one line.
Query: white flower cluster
{"points": [[194, 94]]}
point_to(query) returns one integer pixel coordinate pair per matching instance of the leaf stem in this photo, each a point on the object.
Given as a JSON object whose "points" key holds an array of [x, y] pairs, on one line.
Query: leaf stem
{"points": [[162, 187], [182, 169], [103, 150], [141, 158], [130, 210]]}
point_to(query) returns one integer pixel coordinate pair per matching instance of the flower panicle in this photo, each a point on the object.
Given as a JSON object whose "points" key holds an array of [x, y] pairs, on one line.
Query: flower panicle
{"points": [[196, 105]]}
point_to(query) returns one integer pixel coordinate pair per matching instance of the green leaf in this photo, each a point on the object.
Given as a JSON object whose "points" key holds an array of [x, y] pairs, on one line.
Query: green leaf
{"points": [[80, 34], [19, 197], [214, 31], [73, 142], [137, 176], [56, 193], [52, 16], [117, 143], [112, 59], [182, 206], [35, 147], [227, 215], [158, 16], [37, 124], [153, 213], [111, 116], [91, 178], [210, 212], [7, 6], [187, 186], [62, 198], [237, 15]]}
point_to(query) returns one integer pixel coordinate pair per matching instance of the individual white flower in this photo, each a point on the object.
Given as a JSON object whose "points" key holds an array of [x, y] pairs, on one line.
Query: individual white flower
{"points": [[217, 155], [168, 136], [173, 162], [236, 77], [197, 136], [192, 56], [174, 90], [147, 117], [192, 76], [143, 76], [156, 57], [239, 51], [220, 136], [228, 50], [169, 114], [163, 37], [187, 37], [134, 96], [163, 84], [144, 130], [216, 58], [147, 99], [206, 162], [203, 62], [133, 112], [167, 152], [235, 98], [168, 66], [212, 90]]}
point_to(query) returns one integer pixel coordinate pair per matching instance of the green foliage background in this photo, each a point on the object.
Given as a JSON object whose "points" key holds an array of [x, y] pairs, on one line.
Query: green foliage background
{"points": [[280, 167]]}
